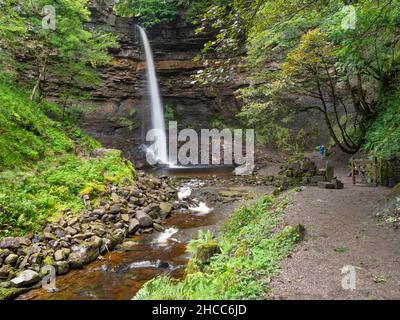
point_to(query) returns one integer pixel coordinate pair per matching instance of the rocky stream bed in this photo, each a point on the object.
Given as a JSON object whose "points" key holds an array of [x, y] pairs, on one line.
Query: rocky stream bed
{"points": [[110, 251]]}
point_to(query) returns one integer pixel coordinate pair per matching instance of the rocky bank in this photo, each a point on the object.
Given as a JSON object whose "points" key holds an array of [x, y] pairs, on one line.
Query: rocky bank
{"points": [[75, 240]]}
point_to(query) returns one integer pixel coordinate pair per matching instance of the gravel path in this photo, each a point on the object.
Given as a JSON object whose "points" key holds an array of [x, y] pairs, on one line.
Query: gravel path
{"points": [[340, 230]]}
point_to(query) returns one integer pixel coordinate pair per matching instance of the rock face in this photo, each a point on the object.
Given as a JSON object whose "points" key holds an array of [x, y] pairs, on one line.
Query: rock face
{"points": [[121, 118]]}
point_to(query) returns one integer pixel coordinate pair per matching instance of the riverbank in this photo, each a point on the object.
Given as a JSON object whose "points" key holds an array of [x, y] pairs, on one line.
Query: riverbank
{"points": [[73, 241], [239, 263]]}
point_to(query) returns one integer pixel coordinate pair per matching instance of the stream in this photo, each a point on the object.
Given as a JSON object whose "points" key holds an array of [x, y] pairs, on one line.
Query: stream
{"points": [[119, 275]]}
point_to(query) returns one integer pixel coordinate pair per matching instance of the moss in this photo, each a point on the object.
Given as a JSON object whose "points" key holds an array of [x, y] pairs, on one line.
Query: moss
{"points": [[10, 293], [48, 261], [44, 164]]}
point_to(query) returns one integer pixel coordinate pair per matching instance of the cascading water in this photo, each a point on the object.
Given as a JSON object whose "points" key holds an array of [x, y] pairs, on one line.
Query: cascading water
{"points": [[159, 151]]}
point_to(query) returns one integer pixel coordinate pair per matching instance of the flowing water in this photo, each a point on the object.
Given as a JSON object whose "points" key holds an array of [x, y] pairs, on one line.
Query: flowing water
{"points": [[121, 274], [157, 111]]}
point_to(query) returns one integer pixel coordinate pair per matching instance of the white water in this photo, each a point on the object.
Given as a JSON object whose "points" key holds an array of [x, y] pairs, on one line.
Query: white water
{"points": [[165, 236], [201, 209], [157, 111]]}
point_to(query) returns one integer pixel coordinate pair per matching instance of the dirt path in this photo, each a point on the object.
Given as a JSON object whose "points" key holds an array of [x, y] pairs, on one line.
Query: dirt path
{"points": [[340, 230]]}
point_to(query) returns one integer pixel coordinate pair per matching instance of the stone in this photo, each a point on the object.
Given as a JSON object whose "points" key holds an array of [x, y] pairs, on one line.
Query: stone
{"points": [[115, 209], [103, 202], [158, 227], [59, 255], [83, 254], [4, 253], [50, 236], [99, 212], [144, 219], [115, 197], [25, 278], [48, 261], [60, 233], [166, 207], [62, 267], [5, 271], [72, 221], [133, 200], [11, 259], [151, 208], [338, 184], [316, 179], [307, 164], [206, 251], [125, 217], [162, 264], [326, 185], [13, 243], [71, 231], [128, 246], [134, 225]]}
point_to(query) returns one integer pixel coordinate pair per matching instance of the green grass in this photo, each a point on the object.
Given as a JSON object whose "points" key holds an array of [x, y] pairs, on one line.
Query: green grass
{"points": [[45, 165], [252, 243]]}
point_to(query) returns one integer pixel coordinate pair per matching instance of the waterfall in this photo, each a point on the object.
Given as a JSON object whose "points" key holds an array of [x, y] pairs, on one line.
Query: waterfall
{"points": [[157, 110]]}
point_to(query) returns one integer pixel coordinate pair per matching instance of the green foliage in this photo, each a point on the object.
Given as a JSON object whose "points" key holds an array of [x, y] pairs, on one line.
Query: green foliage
{"points": [[149, 12], [153, 12], [40, 173], [308, 56], [382, 140], [26, 134], [170, 113], [33, 195], [69, 52], [251, 249]]}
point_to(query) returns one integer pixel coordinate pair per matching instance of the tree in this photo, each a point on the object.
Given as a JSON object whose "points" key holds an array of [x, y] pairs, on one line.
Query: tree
{"points": [[303, 55], [65, 51]]}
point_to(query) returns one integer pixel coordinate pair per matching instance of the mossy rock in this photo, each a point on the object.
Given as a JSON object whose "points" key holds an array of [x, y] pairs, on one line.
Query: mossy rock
{"points": [[206, 251], [48, 261], [11, 293], [292, 233]]}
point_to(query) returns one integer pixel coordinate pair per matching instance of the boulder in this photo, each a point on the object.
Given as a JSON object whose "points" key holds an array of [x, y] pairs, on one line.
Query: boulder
{"points": [[59, 255], [13, 243], [5, 271], [83, 254], [11, 259], [166, 207], [26, 278], [62, 267], [144, 219], [4, 253]]}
